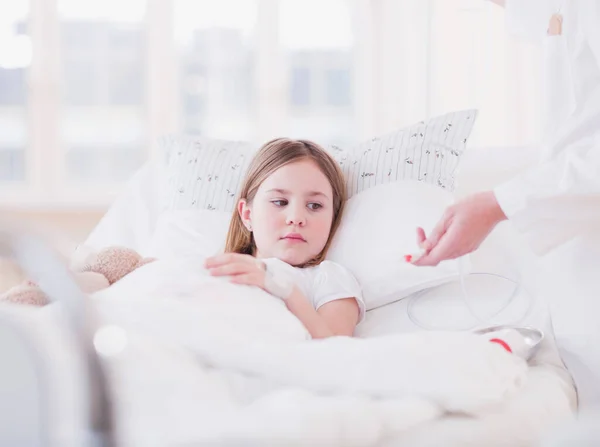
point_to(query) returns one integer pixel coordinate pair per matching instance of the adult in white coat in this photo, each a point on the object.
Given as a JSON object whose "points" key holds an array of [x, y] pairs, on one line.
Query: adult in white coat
{"points": [[556, 204]]}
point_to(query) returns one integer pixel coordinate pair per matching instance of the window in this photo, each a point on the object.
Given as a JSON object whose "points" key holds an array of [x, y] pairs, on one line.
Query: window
{"points": [[300, 87], [318, 43], [87, 87], [15, 58], [338, 87], [102, 128], [215, 51]]}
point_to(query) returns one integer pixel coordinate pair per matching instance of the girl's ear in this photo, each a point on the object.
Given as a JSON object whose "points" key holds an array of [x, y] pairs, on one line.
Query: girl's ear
{"points": [[245, 213]]}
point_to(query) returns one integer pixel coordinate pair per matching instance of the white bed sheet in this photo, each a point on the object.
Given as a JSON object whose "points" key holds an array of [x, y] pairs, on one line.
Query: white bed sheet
{"points": [[164, 396], [548, 399]]}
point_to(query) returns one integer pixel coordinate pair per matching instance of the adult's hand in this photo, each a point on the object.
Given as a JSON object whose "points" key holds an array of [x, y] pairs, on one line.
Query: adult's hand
{"points": [[462, 228]]}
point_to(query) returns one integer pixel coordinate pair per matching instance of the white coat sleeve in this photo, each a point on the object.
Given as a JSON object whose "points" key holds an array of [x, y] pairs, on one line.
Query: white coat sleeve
{"points": [[555, 201], [528, 18], [560, 199]]}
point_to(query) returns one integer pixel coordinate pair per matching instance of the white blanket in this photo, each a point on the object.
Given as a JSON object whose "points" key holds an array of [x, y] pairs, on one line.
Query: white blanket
{"points": [[222, 364]]}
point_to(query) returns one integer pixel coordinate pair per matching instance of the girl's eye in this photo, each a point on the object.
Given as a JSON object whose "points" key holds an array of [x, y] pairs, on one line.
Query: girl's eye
{"points": [[279, 202], [314, 206]]}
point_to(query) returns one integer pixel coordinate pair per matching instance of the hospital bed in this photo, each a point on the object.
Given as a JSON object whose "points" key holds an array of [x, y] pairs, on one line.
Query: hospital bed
{"points": [[58, 386]]}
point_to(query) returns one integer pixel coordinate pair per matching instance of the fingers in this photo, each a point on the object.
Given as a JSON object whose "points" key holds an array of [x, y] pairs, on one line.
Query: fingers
{"points": [[446, 248], [233, 268], [421, 236], [249, 279], [433, 256], [223, 259], [427, 260], [243, 269], [437, 232]]}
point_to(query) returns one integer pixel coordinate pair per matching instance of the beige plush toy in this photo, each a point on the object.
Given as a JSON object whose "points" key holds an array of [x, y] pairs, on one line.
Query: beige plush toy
{"points": [[93, 272]]}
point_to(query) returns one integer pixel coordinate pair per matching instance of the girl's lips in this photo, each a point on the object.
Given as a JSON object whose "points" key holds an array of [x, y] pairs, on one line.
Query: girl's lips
{"points": [[294, 237]]}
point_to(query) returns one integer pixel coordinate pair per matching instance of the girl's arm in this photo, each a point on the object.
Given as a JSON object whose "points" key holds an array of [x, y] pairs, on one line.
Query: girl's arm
{"points": [[338, 317]]}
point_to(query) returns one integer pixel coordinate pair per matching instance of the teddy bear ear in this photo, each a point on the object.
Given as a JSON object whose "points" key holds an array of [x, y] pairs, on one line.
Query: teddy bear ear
{"points": [[25, 294], [116, 262]]}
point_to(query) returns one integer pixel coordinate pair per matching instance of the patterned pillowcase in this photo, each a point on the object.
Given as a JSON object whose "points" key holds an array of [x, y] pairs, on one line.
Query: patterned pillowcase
{"points": [[204, 173], [428, 151], [207, 174]]}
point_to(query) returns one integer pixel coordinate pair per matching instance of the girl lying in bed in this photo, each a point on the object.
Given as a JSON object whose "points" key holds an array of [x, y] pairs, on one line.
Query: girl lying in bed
{"points": [[290, 207]]}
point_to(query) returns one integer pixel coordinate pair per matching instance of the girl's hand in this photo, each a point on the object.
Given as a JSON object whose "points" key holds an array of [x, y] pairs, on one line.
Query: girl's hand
{"points": [[243, 269]]}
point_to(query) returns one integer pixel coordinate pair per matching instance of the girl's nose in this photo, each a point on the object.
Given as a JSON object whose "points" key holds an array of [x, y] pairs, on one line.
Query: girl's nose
{"points": [[296, 216]]}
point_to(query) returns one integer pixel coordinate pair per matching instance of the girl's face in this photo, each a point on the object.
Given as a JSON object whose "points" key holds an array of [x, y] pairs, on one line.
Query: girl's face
{"points": [[291, 214]]}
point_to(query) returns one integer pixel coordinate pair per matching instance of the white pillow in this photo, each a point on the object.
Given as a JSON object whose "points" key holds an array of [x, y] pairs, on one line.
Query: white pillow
{"points": [[189, 233], [131, 219], [207, 174], [378, 228]]}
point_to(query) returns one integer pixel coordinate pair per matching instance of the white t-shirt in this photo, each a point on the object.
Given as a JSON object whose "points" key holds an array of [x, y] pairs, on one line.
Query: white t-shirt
{"points": [[322, 283]]}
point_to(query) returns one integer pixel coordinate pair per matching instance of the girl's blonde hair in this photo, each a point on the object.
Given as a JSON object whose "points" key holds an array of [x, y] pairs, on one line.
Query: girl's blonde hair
{"points": [[270, 157]]}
